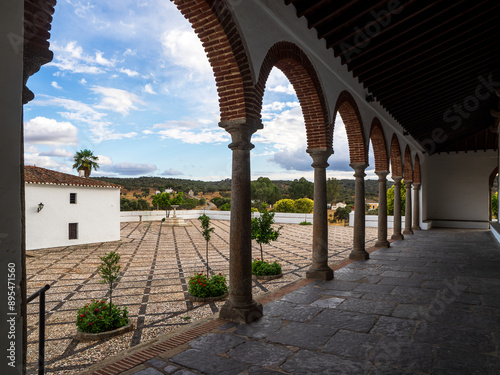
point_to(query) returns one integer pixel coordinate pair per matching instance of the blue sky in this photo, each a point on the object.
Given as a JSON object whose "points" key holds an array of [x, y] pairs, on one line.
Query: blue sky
{"points": [[131, 82]]}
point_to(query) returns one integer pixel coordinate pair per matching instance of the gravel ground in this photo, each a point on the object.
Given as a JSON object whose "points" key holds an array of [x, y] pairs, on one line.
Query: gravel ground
{"points": [[157, 262]]}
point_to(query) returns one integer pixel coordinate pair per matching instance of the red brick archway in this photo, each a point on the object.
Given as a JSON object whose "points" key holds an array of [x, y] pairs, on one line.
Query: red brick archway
{"points": [[297, 67], [213, 23], [379, 146], [408, 169], [416, 171], [396, 162], [348, 109]]}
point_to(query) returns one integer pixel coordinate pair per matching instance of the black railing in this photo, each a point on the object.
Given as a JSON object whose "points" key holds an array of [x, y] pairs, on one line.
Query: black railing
{"points": [[41, 326]]}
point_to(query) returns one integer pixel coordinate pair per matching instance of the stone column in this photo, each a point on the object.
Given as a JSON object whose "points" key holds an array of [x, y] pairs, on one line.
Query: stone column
{"points": [[382, 209], [397, 235], [240, 306], [416, 207], [358, 252], [408, 208], [319, 269]]}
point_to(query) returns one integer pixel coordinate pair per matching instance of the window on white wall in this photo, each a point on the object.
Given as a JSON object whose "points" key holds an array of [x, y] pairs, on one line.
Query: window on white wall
{"points": [[72, 198], [73, 231]]}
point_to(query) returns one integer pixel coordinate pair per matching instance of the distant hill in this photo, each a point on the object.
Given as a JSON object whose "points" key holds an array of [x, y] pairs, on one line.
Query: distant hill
{"points": [[179, 184]]}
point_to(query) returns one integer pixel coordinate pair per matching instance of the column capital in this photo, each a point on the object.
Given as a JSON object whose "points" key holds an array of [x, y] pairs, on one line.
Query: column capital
{"points": [[397, 179], [320, 156], [241, 131], [359, 169], [382, 175], [408, 183], [416, 186]]}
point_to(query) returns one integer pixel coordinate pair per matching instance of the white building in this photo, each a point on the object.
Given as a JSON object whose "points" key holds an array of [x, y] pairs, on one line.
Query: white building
{"points": [[63, 210]]}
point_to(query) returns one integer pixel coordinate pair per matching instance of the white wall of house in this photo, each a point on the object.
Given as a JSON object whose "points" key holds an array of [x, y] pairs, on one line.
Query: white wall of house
{"points": [[455, 189], [97, 212]]}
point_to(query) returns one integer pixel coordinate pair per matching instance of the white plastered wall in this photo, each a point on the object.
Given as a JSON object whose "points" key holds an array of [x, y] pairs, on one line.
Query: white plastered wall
{"points": [[97, 213], [455, 189]]}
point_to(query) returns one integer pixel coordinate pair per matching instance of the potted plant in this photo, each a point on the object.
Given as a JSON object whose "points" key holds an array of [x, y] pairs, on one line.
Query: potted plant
{"points": [[205, 288], [263, 232], [99, 319]]}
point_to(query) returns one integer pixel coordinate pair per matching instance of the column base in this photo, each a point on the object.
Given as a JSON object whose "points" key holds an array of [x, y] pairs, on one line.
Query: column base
{"points": [[397, 236], [241, 315], [383, 243], [407, 231], [324, 274], [416, 227], [359, 255]]}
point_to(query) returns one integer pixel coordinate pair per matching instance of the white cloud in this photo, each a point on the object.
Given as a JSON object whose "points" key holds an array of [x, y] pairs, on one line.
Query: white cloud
{"points": [[55, 85], [172, 172], [70, 57], [130, 73], [104, 160], [130, 52], [83, 81], [42, 130], [192, 137], [184, 48], [149, 89], [117, 100], [130, 169], [289, 90], [58, 152], [285, 131]]}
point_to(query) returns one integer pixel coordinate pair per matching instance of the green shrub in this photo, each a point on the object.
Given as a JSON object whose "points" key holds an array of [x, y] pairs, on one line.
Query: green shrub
{"points": [[98, 316], [225, 207], [202, 287], [264, 268], [285, 205], [304, 205], [305, 223]]}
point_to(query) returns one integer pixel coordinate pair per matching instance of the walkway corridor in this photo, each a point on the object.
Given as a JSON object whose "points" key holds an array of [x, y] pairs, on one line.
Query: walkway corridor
{"points": [[427, 305]]}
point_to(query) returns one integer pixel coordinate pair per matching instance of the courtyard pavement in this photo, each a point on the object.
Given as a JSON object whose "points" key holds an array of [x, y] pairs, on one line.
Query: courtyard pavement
{"points": [[427, 305], [156, 263]]}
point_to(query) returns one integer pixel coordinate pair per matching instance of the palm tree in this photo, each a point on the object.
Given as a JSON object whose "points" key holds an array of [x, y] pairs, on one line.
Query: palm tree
{"points": [[85, 161]]}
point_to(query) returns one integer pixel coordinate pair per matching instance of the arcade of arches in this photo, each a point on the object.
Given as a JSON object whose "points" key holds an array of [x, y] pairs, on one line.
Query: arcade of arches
{"points": [[447, 181]]}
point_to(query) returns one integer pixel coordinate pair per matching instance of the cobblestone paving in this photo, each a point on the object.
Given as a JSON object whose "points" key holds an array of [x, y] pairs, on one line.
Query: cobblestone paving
{"points": [[156, 263], [428, 305]]}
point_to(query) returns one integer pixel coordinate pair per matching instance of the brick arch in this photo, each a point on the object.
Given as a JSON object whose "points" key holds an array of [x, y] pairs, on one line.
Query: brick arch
{"points": [[408, 169], [416, 171], [348, 109], [214, 25], [396, 161], [299, 70], [379, 146]]}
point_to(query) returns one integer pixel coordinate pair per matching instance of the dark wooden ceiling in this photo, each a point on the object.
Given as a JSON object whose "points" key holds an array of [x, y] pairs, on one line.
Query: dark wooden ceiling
{"points": [[430, 64]]}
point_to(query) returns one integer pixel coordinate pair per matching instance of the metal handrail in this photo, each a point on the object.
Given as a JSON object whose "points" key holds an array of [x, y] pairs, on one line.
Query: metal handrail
{"points": [[41, 326]]}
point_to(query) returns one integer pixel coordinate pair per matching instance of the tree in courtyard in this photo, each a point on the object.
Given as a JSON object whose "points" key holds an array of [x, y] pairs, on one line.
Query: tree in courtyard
{"points": [[390, 199], [85, 161], [262, 230], [304, 206], [301, 189], [109, 271], [206, 231], [263, 190]]}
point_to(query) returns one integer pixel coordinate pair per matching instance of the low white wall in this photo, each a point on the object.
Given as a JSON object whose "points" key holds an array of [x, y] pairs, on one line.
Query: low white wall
{"points": [[371, 221], [280, 218]]}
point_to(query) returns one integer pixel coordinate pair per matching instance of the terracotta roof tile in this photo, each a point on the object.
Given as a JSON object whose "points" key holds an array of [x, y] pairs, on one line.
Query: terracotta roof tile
{"points": [[37, 175]]}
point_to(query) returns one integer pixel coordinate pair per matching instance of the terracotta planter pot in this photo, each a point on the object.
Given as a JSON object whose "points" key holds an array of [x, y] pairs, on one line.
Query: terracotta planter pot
{"points": [[84, 336], [267, 277], [206, 299]]}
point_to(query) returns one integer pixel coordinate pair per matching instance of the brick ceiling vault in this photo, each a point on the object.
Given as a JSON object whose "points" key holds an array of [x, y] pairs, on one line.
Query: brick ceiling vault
{"points": [[433, 65]]}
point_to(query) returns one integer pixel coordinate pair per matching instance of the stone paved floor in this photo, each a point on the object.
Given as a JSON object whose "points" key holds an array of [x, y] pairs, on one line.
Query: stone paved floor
{"points": [[156, 263], [428, 305]]}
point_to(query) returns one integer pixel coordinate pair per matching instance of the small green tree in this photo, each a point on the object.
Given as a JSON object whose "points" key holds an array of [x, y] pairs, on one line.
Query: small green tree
{"points": [[390, 199], [109, 270], [285, 205], [304, 205], [494, 206], [342, 213], [262, 230], [207, 230], [332, 190]]}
